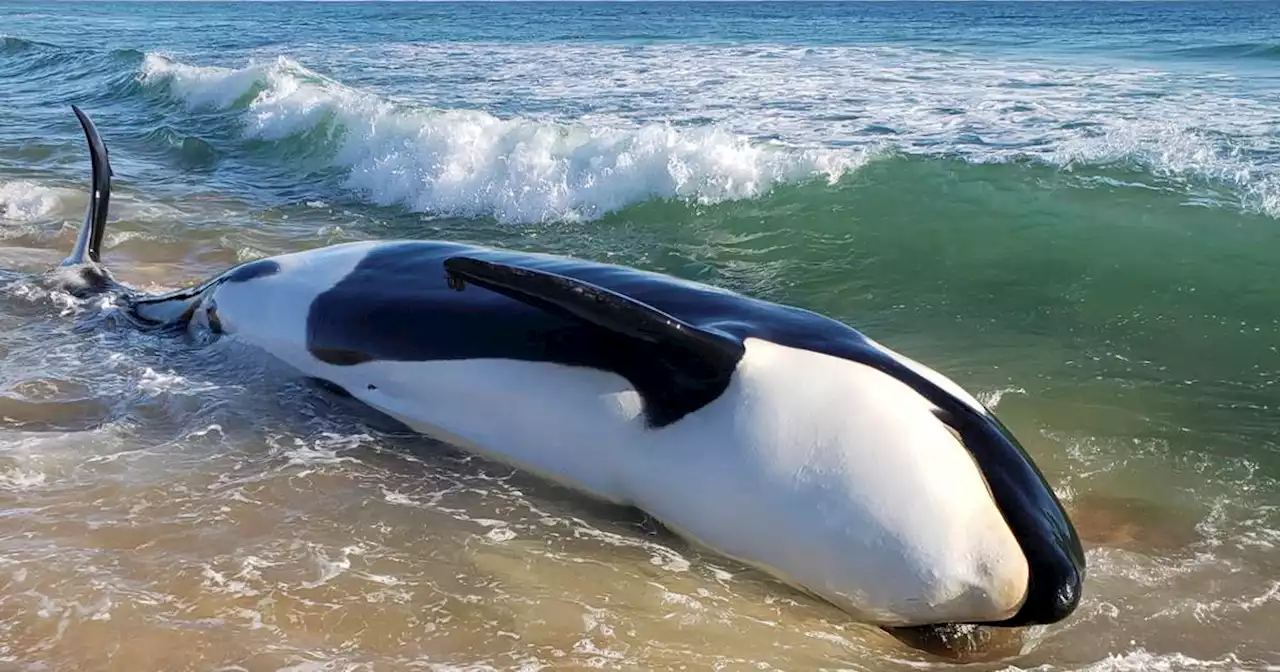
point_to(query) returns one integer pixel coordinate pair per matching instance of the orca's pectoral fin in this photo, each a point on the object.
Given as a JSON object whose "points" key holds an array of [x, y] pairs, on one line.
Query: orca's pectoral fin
{"points": [[620, 315], [693, 357]]}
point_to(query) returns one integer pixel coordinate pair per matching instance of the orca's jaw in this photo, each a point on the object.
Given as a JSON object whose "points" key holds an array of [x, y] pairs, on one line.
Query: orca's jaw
{"points": [[1054, 555], [1055, 558]]}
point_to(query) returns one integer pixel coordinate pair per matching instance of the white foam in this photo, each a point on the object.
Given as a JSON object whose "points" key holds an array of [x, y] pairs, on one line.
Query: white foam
{"points": [[24, 201], [472, 163], [704, 121], [20, 479], [1141, 659], [992, 399]]}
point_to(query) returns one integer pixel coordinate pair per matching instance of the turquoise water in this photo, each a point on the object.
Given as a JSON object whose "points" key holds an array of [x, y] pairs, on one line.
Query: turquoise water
{"points": [[1072, 208]]}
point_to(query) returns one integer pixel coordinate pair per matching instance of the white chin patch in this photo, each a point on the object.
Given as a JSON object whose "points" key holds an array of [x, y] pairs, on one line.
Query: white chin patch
{"points": [[908, 531]]}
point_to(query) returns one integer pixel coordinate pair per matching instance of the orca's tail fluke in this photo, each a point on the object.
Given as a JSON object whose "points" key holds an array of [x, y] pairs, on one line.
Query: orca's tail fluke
{"points": [[89, 244]]}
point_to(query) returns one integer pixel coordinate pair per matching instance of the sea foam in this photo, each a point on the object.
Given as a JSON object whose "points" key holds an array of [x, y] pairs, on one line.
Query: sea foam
{"points": [[1175, 129], [25, 201], [472, 163], [594, 128]]}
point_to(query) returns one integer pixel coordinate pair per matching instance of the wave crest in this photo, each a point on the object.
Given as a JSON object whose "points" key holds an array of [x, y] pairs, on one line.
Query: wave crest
{"points": [[11, 44], [1245, 50], [472, 163], [1178, 154]]}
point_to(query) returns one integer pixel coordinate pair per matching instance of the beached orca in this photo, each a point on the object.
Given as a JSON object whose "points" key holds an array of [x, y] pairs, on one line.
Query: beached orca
{"points": [[769, 434]]}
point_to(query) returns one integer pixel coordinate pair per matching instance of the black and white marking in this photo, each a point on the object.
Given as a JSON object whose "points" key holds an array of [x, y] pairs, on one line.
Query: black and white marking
{"points": [[771, 434]]}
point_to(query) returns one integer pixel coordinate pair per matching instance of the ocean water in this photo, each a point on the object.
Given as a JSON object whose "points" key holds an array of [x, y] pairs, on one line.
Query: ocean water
{"points": [[1071, 208]]}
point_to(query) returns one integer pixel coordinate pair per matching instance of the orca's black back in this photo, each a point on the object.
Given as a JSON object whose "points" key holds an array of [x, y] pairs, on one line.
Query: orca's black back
{"points": [[396, 304]]}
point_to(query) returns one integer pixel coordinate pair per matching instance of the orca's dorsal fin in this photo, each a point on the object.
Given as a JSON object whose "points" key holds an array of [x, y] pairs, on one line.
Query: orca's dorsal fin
{"points": [[690, 365], [89, 244]]}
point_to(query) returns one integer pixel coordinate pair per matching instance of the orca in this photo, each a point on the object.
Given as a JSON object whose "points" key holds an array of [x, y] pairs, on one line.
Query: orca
{"points": [[765, 433]]}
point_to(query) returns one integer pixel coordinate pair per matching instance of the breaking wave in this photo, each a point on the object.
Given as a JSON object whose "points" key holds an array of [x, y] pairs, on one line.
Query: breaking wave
{"points": [[472, 163], [602, 127], [609, 152]]}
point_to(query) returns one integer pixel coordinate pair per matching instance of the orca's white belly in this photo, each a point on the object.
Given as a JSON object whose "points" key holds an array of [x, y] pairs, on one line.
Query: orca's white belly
{"points": [[894, 537], [573, 425], [898, 527]]}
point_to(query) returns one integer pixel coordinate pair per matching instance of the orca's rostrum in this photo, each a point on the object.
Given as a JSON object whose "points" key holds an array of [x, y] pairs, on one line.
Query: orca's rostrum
{"points": [[770, 434]]}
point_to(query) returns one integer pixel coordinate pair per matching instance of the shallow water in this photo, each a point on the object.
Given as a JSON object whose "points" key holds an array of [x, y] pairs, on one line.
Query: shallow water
{"points": [[1066, 207]]}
